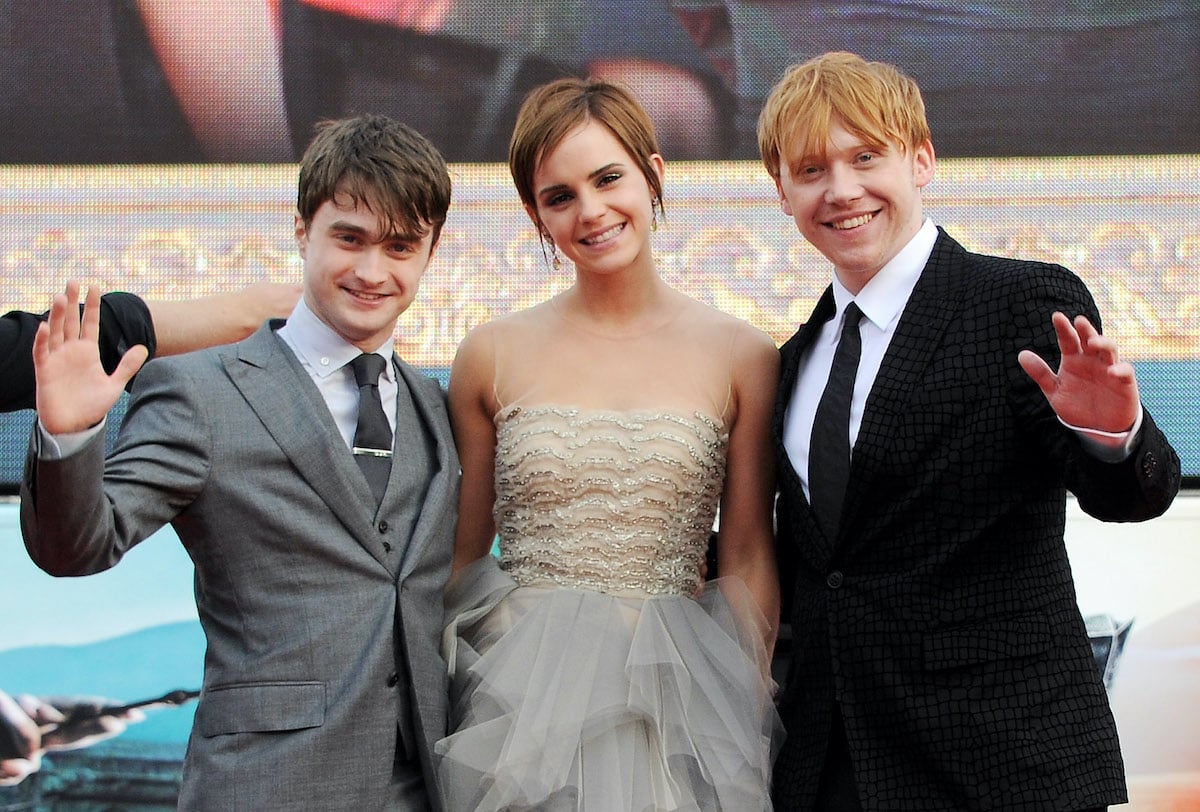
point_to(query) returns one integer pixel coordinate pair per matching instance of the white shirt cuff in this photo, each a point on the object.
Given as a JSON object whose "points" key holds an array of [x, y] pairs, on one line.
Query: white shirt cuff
{"points": [[1108, 446], [61, 446]]}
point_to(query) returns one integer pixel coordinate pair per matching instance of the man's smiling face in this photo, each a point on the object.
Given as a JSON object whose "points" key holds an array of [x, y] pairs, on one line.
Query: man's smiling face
{"points": [[859, 204], [358, 279]]}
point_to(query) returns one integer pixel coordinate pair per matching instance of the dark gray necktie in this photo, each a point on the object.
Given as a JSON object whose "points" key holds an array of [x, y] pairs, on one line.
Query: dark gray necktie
{"points": [[373, 436], [829, 451]]}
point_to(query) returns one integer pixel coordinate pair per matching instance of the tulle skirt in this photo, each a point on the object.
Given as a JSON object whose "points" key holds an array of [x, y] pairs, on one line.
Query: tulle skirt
{"points": [[576, 700]]}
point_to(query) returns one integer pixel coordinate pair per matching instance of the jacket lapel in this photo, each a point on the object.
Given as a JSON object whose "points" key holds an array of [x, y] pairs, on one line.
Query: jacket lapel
{"points": [[440, 497], [934, 304], [292, 411], [789, 480]]}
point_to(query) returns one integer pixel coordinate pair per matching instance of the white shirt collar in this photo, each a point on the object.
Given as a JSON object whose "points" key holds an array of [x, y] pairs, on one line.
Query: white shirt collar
{"points": [[884, 297], [320, 348]]}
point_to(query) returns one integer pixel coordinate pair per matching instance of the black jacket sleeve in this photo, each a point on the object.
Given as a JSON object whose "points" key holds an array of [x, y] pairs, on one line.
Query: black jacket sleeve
{"points": [[124, 323]]}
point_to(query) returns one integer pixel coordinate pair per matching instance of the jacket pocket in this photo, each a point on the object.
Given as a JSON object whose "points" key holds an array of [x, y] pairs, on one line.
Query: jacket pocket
{"points": [[1007, 638], [260, 707]]}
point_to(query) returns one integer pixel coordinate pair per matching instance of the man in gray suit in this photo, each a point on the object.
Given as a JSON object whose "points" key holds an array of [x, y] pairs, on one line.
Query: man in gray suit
{"points": [[323, 687]]}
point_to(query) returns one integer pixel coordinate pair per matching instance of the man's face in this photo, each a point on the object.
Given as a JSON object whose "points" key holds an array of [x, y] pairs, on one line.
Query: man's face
{"points": [[858, 205], [358, 279]]}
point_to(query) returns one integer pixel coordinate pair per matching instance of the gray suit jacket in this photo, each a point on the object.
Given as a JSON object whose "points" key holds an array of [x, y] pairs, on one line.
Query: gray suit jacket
{"points": [[319, 639]]}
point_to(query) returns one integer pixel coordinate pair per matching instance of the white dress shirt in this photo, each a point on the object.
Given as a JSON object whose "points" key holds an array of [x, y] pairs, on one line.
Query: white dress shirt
{"points": [[326, 357], [882, 301]]}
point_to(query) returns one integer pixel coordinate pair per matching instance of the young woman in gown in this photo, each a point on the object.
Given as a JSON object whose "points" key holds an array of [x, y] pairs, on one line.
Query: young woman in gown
{"points": [[591, 666]]}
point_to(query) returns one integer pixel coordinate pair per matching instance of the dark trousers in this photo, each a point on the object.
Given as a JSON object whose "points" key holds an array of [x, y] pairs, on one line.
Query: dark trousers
{"points": [[837, 791]]}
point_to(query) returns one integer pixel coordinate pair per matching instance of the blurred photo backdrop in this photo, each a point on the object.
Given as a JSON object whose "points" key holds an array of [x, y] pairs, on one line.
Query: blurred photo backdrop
{"points": [[150, 146]]}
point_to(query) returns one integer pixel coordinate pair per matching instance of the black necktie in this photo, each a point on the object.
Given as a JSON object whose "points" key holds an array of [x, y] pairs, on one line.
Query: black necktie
{"points": [[829, 451], [373, 436]]}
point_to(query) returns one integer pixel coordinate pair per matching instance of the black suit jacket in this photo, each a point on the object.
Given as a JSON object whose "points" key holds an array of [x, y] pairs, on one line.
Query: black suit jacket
{"points": [[943, 618]]}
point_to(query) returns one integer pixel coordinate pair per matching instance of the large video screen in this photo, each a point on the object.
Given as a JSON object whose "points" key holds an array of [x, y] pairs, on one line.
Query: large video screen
{"points": [[150, 147]]}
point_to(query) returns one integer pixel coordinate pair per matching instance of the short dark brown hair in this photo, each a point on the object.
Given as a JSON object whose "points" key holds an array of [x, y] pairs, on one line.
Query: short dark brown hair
{"points": [[381, 162]]}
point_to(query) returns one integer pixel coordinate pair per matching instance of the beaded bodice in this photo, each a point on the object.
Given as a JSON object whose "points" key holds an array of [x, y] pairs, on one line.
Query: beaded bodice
{"points": [[615, 502]]}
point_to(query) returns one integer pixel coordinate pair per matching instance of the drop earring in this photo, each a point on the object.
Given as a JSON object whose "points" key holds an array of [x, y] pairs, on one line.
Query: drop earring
{"points": [[545, 239], [654, 214]]}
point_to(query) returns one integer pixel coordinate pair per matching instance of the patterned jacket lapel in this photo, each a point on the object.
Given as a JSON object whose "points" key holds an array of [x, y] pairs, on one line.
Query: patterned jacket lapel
{"points": [[789, 480], [934, 304]]}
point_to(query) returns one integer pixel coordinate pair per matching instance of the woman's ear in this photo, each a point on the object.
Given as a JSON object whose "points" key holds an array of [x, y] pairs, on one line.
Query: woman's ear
{"points": [[542, 233]]}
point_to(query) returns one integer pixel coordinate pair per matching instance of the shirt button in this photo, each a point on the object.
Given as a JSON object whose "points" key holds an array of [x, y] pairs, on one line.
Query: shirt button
{"points": [[383, 526], [393, 681], [325, 361], [834, 580]]}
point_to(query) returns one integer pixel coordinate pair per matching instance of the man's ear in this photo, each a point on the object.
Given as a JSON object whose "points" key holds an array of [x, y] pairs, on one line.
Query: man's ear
{"points": [[923, 164], [301, 235]]}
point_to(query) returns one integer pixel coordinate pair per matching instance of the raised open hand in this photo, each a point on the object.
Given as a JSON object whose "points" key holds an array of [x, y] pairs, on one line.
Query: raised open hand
{"points": [[73, 390], [1092, 389]]}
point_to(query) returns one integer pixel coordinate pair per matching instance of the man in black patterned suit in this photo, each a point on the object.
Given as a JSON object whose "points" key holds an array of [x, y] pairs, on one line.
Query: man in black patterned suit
{"points": [[940, 661]]}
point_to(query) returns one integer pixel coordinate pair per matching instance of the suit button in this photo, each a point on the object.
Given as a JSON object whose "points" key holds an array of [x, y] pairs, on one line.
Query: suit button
{"points": [[387, 547], [834, 579], [383, 526], [393, 681], [1149, 464]]}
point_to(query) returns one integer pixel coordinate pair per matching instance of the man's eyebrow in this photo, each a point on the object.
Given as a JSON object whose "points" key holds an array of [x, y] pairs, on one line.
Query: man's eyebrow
{"points": [[391, 236], [805, 160], [346, 225]]}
